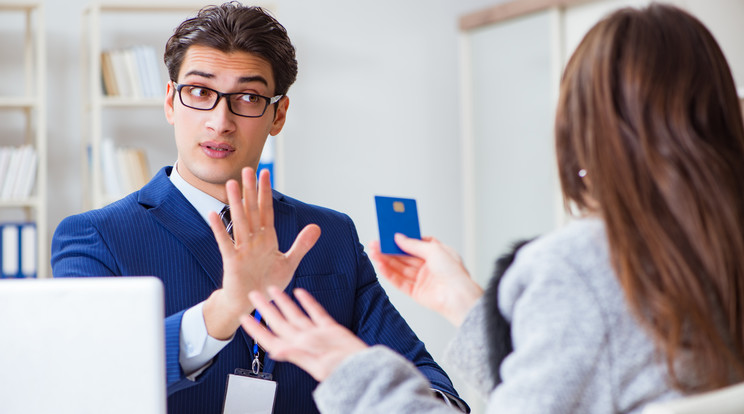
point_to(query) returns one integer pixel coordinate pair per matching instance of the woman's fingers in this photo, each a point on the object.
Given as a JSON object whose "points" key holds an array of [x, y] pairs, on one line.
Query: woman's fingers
{"points": [[414, 247], [291, 313], [270, 314], [263, 336], [314, 309]]}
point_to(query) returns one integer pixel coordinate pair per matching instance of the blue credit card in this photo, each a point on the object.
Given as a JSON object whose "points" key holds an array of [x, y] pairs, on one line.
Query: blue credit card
{"points": [[396, 215]]}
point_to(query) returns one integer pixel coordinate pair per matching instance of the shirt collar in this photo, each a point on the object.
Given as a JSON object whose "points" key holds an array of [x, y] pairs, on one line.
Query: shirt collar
{"points": [[202, 202]]}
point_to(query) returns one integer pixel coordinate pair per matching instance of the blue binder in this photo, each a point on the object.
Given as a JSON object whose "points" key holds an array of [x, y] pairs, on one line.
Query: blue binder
{"points": [[18, 250]]}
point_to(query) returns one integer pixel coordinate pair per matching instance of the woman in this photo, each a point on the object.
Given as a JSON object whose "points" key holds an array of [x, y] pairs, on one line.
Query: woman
{"points": [[640, 299]]}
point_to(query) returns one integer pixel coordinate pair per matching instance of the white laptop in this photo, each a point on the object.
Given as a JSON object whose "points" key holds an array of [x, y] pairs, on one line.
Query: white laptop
{"points": [[82, 345]]}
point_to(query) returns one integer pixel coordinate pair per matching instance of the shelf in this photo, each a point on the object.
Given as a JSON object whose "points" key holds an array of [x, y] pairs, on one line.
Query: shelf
{"points": [[24, 202], [19, 6], [33, 103], [123, 102], [141, 7], [19, 102]]}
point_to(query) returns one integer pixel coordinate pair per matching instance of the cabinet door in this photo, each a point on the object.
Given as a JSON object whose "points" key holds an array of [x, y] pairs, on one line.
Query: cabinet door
{"points": [[509, 158]]}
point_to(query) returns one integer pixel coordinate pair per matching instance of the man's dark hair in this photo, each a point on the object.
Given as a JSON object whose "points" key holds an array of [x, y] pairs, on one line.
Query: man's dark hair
{"points": [[232, 27]]}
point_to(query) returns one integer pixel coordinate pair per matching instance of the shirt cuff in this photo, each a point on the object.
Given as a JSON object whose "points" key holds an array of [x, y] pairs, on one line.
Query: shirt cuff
{"points": [[451, 400], [197, 348]]}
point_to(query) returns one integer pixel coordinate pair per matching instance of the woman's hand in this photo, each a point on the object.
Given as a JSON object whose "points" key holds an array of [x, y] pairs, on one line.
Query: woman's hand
{"points": [[314, 342], [433, 276]]}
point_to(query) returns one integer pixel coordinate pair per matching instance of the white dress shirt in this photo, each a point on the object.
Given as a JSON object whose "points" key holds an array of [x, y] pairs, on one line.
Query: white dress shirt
{"points": [[197, 347]]}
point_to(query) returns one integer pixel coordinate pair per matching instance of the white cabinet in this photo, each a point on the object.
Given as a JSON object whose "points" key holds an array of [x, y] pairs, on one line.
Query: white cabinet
{"points": [[23, 111]]}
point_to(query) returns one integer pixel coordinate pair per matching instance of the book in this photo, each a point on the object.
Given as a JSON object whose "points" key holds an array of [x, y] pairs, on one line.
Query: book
{"points": [[18, 250], [112, 185], [132, 73], [14, 171], [28, 249], [153, 72], [109, 80], [5, 154], [27, 176], [120, 72], [142, 71]]}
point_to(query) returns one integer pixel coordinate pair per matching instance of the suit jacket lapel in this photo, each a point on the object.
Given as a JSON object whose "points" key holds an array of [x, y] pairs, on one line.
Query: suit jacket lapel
{"points": [[171, 209]]}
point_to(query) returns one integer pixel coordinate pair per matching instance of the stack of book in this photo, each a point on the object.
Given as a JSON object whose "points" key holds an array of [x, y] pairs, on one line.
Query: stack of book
{"points": [[17, 172], [132, 73], [18, 250], [124, 169]]}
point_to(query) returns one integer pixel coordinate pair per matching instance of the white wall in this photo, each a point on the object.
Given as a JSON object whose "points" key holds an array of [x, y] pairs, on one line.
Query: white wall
{"points": [[375, 110]]}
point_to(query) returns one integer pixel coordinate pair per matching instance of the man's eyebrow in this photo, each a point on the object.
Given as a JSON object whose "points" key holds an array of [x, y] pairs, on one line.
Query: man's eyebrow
{"points": [[257, 78], [199, 73], [242, 79]]}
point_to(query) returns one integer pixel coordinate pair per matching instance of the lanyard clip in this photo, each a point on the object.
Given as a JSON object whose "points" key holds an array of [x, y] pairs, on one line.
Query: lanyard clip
{"points": [[256, 365]]}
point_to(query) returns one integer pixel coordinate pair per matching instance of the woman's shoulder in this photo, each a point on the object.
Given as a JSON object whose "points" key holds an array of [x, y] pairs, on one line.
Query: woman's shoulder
{"points": [[580, 245]]}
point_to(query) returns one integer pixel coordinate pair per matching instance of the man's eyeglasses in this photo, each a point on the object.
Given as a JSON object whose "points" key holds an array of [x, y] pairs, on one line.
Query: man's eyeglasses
{"points": [[249, 105]]}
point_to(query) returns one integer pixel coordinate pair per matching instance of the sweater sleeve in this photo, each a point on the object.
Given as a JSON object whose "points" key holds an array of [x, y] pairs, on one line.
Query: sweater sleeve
{"points": [[377, 380], [467, 353]]}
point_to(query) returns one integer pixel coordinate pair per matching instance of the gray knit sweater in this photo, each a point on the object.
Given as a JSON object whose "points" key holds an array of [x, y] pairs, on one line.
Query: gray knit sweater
{"points": [[577, 348]]}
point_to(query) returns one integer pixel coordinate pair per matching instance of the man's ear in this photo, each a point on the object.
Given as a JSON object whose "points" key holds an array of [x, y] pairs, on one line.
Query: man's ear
{"points": [[280, 116], [169, 101]]}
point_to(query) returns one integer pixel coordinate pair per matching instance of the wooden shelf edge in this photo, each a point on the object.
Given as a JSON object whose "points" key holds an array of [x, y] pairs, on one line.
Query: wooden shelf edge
{"points": [[510, 10], [23, 202], [108, 101], [19, 6], [139, 6], [17, 102]]}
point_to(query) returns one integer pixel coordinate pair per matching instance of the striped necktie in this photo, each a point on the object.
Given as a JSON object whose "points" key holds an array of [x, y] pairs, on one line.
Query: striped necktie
{"points": [[227, 221]]}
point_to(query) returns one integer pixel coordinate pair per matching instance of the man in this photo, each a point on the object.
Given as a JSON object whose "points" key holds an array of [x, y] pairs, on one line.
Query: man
{"points": [[230, 69]]}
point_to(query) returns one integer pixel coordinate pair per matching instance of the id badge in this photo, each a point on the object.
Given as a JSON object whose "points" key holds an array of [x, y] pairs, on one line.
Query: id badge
{"points": [[249, 393]]}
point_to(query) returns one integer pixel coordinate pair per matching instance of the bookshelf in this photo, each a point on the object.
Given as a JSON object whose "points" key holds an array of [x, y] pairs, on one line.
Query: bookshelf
{"points": [[23, 108], [107, 26]]}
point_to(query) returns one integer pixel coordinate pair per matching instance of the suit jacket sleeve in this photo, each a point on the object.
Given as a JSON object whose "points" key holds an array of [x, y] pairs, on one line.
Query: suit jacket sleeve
{"points": [[79, 250]]}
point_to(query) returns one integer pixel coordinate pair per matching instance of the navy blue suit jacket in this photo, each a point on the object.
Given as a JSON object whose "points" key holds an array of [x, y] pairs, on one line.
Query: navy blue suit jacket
{"points": [[156, 231]]}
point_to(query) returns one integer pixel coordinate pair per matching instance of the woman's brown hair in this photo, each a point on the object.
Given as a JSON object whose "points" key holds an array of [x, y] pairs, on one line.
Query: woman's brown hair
{"points": [[648, 109]]}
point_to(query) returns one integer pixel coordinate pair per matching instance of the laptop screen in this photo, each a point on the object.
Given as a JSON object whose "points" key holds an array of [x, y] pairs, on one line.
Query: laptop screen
{"points": [[82, 345]]}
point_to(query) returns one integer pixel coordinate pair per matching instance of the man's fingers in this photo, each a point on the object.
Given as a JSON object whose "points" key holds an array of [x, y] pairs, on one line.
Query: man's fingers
{"points": [[302, 244], [265, 200], [250, 199], [241, 226], [220, 232]]}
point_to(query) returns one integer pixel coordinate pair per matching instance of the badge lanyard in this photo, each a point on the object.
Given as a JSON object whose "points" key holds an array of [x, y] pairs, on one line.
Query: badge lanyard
{"points": [[256, 365]]}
